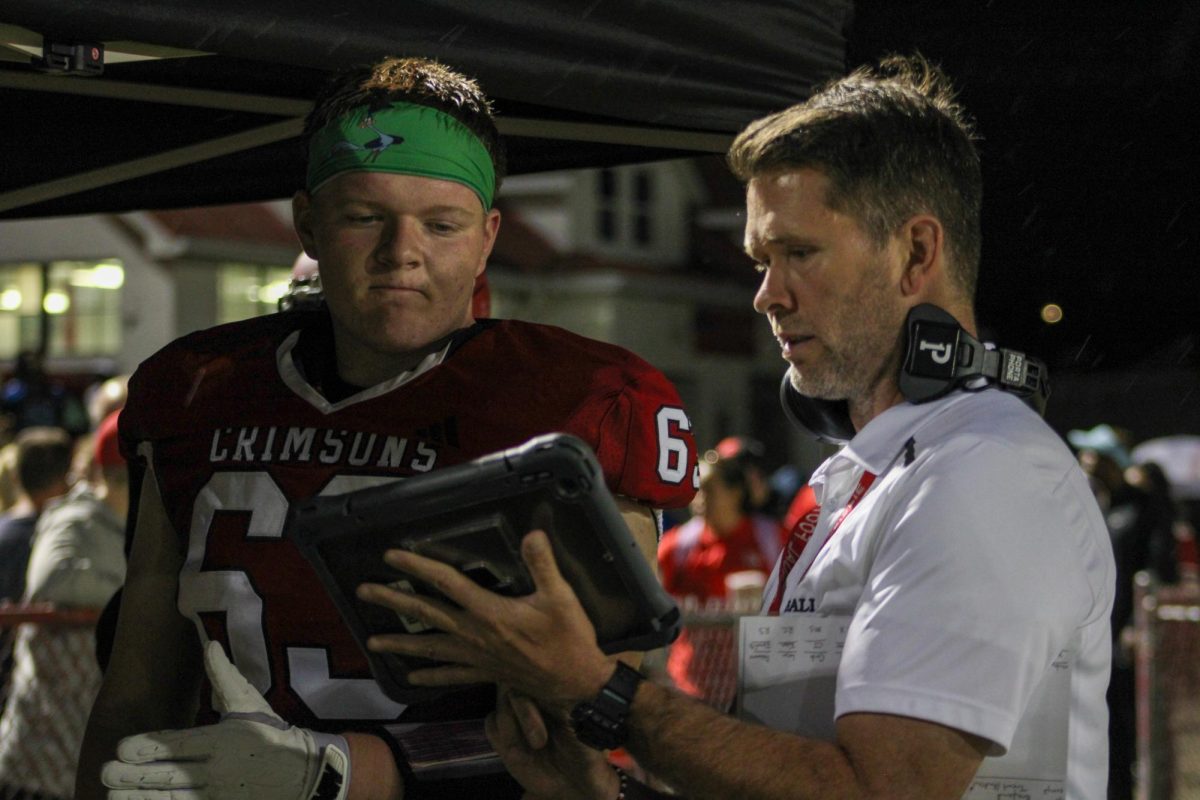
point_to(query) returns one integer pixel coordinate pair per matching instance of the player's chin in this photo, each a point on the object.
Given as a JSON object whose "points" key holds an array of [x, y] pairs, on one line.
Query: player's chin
{"points": [[401, 336], [404, 328]]}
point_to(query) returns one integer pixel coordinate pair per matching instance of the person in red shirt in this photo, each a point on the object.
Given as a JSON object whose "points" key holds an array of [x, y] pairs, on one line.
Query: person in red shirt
{"points": [[724, 544], [227, 643]]}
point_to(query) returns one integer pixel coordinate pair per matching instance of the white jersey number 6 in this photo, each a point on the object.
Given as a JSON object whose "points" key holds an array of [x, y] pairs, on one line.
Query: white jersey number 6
{"points": [[231, 592]]}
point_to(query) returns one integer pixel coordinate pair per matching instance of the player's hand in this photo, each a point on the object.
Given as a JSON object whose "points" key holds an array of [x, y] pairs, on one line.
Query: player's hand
{"points": [[529, 718], [250, 754], [541, 644], [558, 768]]}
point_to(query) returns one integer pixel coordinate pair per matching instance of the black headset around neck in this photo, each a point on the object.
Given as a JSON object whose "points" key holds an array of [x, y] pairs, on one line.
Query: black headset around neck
{"points": [[939, 357]]}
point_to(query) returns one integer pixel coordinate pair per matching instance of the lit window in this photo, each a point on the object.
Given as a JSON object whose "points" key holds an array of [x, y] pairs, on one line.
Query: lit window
{"points": [[74, 305], [249, 290]]}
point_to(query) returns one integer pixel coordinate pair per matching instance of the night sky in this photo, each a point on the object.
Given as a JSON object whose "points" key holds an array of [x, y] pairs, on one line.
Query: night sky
{"points": [[1088, 113]]}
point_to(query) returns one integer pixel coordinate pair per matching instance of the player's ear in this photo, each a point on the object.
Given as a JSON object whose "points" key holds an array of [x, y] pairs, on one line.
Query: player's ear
{"points": [[491, 228], [302, 221]]}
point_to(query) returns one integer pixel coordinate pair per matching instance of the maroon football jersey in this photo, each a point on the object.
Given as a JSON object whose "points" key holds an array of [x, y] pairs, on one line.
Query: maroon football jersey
{"points": [[236, 433]]}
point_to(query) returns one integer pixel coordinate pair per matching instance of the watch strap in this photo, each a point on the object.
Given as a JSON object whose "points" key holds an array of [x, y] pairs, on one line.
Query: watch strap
{"points": [[600, 722]]}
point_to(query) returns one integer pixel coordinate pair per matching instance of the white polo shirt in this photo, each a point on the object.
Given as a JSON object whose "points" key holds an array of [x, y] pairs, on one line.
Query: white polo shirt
{"points": [[973, 559]]}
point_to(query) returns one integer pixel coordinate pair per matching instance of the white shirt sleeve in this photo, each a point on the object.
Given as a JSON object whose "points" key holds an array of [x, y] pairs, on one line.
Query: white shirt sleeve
{"points": [[978, 582]]}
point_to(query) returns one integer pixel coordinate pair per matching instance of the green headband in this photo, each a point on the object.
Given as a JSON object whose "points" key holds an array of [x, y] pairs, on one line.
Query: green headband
{"points": [[404, 138]]}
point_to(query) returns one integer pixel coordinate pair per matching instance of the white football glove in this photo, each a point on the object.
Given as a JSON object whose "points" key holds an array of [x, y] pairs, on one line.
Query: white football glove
{"points": [[250, 754]]}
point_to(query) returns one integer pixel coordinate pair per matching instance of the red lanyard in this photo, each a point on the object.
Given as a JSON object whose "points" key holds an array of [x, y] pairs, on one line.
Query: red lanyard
{"points": [[806, 524]]}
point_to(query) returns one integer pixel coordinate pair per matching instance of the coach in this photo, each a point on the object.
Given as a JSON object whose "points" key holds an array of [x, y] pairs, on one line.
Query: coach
{"points": [[956, 534]]}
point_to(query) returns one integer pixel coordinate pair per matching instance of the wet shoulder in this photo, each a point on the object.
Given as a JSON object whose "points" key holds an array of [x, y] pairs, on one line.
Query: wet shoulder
{"points": [[1004, 428], [220, 347], [535, 347]]}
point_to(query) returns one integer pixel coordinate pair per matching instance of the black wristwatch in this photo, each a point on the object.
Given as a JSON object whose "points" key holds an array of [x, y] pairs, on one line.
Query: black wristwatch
{"points": [[600, 723]]}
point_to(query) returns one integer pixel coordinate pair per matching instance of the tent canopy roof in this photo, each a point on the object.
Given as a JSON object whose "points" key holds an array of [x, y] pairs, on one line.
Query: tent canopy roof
{"points": [[211, 116]]}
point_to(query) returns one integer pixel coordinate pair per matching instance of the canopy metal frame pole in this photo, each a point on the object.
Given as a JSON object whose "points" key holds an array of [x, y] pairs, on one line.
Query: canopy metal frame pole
{"points": [[140, 167], [295, 109]]}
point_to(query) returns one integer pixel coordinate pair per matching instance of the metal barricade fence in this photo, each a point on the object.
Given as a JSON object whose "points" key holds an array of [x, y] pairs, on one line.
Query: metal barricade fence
{"points": [[65, 663], [1167, 653], [711, 633]]}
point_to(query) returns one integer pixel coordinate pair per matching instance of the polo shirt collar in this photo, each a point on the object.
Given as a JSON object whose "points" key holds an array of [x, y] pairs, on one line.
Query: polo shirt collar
{"points": [[875, 447]]}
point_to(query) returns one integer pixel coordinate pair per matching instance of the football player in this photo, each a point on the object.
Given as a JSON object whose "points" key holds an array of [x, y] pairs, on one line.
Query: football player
{"points": [[391, 377]]}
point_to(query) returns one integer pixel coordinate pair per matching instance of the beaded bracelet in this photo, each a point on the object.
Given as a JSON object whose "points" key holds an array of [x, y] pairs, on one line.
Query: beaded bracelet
{"points": [[624, 777], [630, 789]]}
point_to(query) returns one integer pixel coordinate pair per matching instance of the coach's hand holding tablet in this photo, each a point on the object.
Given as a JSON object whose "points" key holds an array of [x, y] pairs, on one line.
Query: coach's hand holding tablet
{"points": [[520, 641]]}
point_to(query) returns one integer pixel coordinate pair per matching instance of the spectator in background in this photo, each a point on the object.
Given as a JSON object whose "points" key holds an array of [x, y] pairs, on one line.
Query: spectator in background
{"points": [[751, 456], [8, 476], [1140, 524], [724, 551], [1141, 527], [105, 397], [304, 289], [42, 460], [788, 481], [1151, 478], [29, 398], [77, 562], [102, 399]]}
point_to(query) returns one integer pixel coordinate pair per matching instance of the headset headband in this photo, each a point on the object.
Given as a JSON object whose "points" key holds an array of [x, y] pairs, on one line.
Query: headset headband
{"points": [[939, 357]]}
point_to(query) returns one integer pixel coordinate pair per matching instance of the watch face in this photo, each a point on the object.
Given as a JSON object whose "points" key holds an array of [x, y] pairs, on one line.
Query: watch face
{"points": [[597, 729], [600, 723]]}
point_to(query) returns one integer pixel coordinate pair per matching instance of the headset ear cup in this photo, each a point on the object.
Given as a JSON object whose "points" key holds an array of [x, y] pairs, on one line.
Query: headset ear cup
{"points": [[826, 420], [940, 356], [932, 343]]}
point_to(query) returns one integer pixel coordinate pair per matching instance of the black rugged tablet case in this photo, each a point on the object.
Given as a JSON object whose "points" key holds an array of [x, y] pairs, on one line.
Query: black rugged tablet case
{"points": [[473, 516]]}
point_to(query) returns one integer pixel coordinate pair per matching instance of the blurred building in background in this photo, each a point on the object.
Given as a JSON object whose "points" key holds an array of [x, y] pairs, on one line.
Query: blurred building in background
{"points": [[647, 256]]}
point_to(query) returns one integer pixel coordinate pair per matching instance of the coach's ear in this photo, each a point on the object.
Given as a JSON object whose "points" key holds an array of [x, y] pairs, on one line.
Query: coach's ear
{"points": [[922, 242]]}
